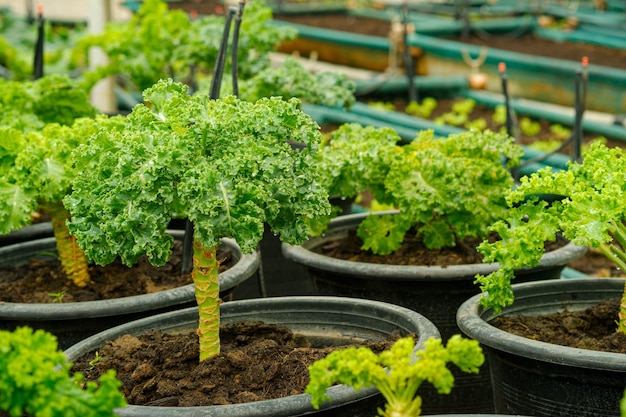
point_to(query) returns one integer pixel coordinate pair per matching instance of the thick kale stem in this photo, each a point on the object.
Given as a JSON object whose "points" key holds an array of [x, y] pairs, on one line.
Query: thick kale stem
{"points": [[206, 283], [72, 257], [608, 251]]}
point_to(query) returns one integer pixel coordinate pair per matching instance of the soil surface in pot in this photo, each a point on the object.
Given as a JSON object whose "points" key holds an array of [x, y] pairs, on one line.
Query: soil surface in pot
{"points": [[257, 362], [412, 252], [44, 281], [527, 44], [593, 328]]}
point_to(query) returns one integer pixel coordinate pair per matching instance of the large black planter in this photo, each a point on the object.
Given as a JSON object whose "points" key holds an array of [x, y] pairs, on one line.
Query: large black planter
{"points": [[433, 291], [542, 379], [325, 320], [72, 322], [27, 233]]}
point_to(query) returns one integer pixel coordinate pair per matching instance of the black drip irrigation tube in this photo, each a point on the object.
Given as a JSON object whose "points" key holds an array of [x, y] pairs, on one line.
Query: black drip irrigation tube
{"points": [[214, 93]]}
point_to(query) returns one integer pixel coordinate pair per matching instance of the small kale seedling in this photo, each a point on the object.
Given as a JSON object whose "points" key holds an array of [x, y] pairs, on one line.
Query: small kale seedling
{"points": [[224, 164], [591, 213], [397, 373], [35, 379], [437, 184], [423, 109]]}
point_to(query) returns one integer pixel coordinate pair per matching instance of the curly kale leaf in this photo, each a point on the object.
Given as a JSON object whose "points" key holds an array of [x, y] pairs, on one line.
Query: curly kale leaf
{"points": [[159, 42], [35, 379], [591, 213], [29, 105], [35, 167], [225, 164], [445, 189], [397, 373], [291, 79]]}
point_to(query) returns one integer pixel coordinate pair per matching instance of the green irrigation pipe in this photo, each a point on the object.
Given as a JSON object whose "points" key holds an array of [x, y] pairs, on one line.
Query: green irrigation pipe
{"points": [[615, 40], [396, 84], [538, 65], [337, 36], [360, 113]]}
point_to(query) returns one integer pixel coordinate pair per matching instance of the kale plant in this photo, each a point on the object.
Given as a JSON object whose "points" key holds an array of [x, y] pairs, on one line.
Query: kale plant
{"points": [[35, 380], [591, 212], [397, 373], [224, 164]]}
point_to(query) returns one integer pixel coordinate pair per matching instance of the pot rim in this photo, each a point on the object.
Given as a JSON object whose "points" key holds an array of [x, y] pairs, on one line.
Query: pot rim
{"points": [[577, 293], [303, 255], [278, 308]]}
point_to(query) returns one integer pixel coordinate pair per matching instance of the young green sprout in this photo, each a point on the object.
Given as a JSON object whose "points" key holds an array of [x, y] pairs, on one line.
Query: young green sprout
{"points": [[397, 373]]}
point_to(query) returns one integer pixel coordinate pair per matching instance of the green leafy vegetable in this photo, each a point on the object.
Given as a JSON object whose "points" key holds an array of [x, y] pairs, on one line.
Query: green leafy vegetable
{"points": [[397, 373], [591, 213], [36, 143], [159, 42], [35, 379], [291, 79], [36, 176], [423, 109], [29, 105], [436, 183], [225, 164]]}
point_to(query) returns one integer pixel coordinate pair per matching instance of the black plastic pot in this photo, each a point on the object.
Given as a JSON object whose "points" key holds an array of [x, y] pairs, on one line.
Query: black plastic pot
{"points": [[281, 276], [72, 322], [433, 291], [325, 320], [27, 233], [542, 379]]}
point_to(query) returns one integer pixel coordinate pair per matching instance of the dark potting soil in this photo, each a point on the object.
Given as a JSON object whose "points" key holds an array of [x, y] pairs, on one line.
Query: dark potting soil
{"points": [[527, 44], [39, 280], [412, 252], [593, 328], [257, 362]]}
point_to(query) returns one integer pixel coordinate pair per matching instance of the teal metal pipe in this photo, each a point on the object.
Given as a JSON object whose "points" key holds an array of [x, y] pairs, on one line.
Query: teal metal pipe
{"points": [[616, 41], [610, 130], [337, 36], [400, 84], [404, 120], [408, 130], [329, 115]]}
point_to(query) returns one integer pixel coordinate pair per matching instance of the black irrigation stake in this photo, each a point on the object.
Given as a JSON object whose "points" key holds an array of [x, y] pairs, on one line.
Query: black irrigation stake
{"points": [[580, 102], [235, 48], [507, 98], [408, 61], [214, 93], [38, 59]]}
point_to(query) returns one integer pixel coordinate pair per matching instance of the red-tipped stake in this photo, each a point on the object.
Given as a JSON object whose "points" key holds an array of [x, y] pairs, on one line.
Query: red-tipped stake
{"points": [[507, 101]]}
